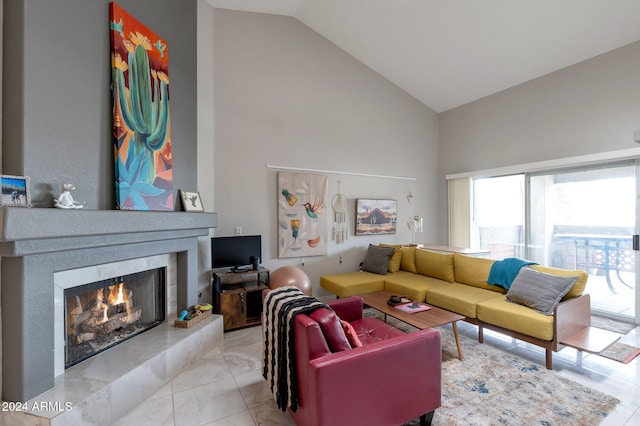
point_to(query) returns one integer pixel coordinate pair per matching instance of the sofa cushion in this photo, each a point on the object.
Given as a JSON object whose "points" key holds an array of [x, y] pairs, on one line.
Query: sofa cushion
{"points": [[539, 290], [498, 311], [331, 329], [396, 259], [351, 283], [578, 287], [437, 265], [408, 262], [460, 298], [377, 259], [414, 286], [474, 271], [371, 330]]}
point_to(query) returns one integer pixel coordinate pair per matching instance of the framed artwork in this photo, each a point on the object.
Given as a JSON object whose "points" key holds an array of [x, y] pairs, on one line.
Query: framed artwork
{"points": [[141, 136], [16, 191], [376, 217], [302, 220], [191, 201]]}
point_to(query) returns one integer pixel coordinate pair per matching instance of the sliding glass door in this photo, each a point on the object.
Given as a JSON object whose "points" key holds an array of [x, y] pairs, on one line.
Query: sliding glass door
{"points": [[581, 218], [585, 219]]}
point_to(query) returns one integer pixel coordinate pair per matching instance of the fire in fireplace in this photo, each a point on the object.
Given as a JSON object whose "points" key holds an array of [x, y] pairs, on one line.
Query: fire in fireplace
{"points": [[102, 314]]}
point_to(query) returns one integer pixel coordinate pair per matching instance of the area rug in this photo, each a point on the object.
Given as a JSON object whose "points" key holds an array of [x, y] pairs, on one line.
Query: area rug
{"points": [[492, 386], [621, 352]]}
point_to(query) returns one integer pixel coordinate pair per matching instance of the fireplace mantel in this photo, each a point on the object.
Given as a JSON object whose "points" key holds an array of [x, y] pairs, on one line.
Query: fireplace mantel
{"points": [[35, 243], [35, 230]]}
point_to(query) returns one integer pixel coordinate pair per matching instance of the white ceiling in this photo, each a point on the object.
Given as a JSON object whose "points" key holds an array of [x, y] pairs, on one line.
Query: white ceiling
{"points": [[450, 52]]}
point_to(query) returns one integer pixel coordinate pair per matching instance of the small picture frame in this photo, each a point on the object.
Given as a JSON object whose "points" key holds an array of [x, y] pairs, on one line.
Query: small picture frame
{"points": [[16, 191], [191, 201]]}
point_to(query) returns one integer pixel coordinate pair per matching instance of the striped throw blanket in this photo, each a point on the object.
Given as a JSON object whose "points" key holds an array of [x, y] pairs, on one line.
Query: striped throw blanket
{"points": [[280, 308]]}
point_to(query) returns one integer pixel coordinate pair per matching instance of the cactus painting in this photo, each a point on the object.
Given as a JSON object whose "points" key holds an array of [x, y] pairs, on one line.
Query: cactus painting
{"points": [[141, 127]]}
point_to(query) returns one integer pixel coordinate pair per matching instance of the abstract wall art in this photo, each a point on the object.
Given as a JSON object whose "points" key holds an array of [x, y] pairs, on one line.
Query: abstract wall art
{"points": [[302, 218], [141, 125]]}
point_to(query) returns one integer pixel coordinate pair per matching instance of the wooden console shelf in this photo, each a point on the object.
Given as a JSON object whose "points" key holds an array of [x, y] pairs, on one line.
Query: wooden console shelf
{"points": [[238, 296], [591, 339]]}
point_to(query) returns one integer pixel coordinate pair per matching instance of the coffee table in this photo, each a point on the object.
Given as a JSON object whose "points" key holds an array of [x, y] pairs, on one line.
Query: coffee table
{"points": [[434, 317]]}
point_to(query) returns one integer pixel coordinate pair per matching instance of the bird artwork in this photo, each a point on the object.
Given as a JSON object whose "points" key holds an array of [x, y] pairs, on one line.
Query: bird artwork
{"points": [[314, 210], [310, 211], [161, 47], [192, 199], [117, 27], [301, 203]]}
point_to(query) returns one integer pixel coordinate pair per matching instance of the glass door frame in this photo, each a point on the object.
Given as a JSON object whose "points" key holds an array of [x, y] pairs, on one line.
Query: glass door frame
{"points": [[568, 169], [635, 238]]}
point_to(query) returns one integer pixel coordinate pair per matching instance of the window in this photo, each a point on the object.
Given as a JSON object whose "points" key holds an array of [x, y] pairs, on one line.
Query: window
{"points": [[498, 216]]}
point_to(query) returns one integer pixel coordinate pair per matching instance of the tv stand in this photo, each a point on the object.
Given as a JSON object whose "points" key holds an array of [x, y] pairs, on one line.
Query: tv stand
{"points": [[237, 295]]}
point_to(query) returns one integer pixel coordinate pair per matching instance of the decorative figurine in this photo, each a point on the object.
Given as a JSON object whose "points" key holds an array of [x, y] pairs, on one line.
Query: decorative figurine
{"points": [[65, 200]]}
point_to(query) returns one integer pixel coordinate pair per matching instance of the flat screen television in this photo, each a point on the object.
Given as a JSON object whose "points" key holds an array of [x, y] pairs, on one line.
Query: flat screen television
{"points": [[235, 252]]}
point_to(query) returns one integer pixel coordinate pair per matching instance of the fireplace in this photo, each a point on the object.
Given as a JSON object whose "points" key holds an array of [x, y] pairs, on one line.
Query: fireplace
{"points": [[39, 248], [102, 314]]}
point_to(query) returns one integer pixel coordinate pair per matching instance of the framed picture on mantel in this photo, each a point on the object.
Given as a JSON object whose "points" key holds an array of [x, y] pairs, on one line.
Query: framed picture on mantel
{"points": [[16, 191], [191, 201]]}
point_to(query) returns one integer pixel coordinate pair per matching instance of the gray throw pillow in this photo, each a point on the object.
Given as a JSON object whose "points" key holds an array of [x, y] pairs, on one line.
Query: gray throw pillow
{"points": [[377, 259], [539, 290]]}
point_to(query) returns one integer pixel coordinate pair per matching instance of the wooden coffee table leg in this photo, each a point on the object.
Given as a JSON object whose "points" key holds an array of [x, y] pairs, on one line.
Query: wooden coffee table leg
{"points": [[454, 325]]}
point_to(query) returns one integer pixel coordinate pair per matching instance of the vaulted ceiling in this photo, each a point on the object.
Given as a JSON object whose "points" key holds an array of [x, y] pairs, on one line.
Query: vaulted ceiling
{"points": [[447, 53]]}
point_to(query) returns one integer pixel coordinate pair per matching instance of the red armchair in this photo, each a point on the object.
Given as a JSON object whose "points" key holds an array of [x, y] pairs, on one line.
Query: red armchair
{"points": [[393, 378]]}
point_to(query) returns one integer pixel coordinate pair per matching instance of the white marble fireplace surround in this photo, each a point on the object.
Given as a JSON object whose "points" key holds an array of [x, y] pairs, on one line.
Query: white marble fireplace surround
{"points": [[35, 244], [76, 277]]}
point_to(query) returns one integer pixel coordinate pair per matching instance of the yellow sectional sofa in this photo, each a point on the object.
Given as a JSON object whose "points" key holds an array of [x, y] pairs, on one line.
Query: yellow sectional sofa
{"points": [[458, 283]]}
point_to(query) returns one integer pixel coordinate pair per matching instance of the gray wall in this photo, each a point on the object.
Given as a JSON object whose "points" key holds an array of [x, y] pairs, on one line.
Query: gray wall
{"points": [[57, 79], [588, 108], [286, 96]]}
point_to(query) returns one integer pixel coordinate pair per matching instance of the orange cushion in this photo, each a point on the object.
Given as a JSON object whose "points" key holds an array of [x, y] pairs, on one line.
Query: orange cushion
{"points": [[351, 334]]}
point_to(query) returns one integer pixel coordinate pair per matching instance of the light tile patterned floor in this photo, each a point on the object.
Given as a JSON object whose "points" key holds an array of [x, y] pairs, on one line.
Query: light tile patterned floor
{"points": [[225, 388]]}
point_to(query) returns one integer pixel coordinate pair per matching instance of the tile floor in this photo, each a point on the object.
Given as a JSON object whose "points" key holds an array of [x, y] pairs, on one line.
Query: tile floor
{"points": [[225, 388]]}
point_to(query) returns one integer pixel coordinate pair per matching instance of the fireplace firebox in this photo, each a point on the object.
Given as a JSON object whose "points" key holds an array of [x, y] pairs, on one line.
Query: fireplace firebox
{"points": [[102, 314]]}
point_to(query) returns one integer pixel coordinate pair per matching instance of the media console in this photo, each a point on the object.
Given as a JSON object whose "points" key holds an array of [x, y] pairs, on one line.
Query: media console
{"points": [[238, 296]]}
